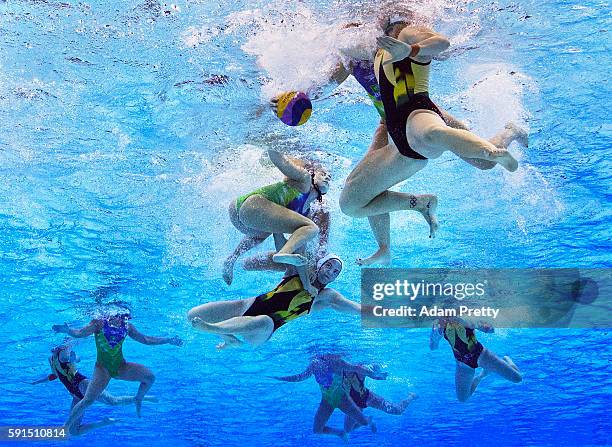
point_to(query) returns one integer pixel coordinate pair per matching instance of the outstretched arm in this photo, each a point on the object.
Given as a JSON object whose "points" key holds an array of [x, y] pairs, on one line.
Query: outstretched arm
{"points": [[83, 332], [329, 298], [434, 336], [289, 168], [322, 218], [44, 379], [148, 340], [423, 47], [298, 377]]}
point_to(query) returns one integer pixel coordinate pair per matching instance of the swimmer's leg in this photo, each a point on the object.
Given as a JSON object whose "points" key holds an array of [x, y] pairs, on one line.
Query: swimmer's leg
{"points": [[322, 415], [81, 429], [246, 244], [229, 341], [254, 330], [263, 215], [263, 262], [380, 138], [350, 408], [96, 386], [427, 132], [218, 311], [502, 140], [112, 400], [504, 367], [381, 227], [380, 403], [135, 372], [349, 424], [463, 381]]}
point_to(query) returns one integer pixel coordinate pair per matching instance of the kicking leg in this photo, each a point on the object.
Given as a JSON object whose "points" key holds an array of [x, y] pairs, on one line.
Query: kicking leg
{"points": [[97, 384], [350, 408], [135, 372], [381, 227], [217, 311], [463, 381], [322, 415], [246, 244], [112, 400], [259, 213], [255, 330], [430, 136], [504, 367], [380, 403]]}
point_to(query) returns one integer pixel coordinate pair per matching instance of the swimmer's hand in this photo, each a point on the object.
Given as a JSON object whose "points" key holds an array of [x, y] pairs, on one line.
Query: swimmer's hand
{"points": [[176, 341], [398, 49], [312, 290], [274, 104], [61, 328], [483, 326]]}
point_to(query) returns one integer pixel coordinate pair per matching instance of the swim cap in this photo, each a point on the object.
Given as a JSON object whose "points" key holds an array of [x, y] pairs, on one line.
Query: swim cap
{"points": [[395, 20], [328, 257], [294, 108]]}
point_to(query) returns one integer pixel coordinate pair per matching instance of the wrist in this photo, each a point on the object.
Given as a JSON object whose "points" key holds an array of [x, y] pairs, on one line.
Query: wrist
{"points": [[414, 50]]}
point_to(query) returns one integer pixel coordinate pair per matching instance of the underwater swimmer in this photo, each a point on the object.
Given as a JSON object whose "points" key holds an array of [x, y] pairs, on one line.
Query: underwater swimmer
{"points": [[354, 383], [279, 208], [256, 319], [419, 130], [63, 362], [110, 331], [329, 371], [470, 354]]}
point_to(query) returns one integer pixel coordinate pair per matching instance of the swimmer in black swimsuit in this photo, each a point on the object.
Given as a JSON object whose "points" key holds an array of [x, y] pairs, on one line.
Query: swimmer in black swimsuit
{"points": [[470, 354], [63, 362], [419, 131], [256, 319]]}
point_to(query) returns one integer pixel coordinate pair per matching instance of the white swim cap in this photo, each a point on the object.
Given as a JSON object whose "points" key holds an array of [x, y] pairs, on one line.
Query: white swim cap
{"points": [[328, 257]]}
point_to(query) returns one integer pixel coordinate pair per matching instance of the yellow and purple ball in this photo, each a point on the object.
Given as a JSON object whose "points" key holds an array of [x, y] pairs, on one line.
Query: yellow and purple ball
{"points": [[294, 108]]}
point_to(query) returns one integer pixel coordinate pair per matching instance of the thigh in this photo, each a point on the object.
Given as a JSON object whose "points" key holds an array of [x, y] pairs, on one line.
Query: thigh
{"points": [[463, 380], [236, 222], [420, 127], [83, 384], [323, 414], [378, 171], [134, 372], [98, 383], [259, 213], [220, 310], [258, 330]]}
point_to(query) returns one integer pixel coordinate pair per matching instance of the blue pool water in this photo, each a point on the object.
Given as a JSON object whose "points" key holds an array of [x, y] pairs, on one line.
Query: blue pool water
{"points": [[117, 162]]}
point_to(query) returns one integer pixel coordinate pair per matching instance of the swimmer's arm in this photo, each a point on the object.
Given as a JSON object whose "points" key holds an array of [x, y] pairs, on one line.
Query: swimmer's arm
{"points": [[279, 241], [337, 77], [262, 262], [484, 326], [435, 337], [149, 340], [422, 49], [86, 331], [432, 45], [298, 377], [360, 370], [329, 298], [45, 378], [288, 168]]}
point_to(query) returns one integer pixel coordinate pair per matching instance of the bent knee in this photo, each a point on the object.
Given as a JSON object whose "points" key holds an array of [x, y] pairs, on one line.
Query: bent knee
{"points": [[433, 135], [349, 206]]}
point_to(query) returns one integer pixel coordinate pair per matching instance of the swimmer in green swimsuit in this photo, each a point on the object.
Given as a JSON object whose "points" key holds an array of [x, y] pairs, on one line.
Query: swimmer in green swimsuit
{"points": [[471, 354], [282, 207], [329, 371], [110, 332], [256, 319], [63, 362]]}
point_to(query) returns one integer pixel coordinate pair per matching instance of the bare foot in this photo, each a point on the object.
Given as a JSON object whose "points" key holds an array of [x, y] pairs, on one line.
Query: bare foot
{"points": [[429, 213], [404, 404], [228, 271], [290, 258], [520, 134], [507, 161], [382, 256], [138, 404]]}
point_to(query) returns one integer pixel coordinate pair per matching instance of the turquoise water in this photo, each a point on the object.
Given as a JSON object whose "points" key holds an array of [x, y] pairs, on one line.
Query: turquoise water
{"points": [[117, 162]]}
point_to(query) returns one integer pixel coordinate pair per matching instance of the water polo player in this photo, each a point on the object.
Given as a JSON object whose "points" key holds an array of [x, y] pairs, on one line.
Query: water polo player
{"points": [[110, 331], [279, 208]]}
